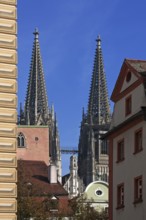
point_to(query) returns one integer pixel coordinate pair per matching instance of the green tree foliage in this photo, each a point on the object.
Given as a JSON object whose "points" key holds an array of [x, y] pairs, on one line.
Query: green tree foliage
{"points": [[33, 204], [29, 202], [84, 211]]}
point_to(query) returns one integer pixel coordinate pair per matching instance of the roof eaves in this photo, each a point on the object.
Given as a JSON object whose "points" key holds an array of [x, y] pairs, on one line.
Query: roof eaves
{"points": [[138, 114]]}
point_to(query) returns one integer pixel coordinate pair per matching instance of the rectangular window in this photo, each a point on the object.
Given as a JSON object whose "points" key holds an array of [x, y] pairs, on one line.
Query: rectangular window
{"points": [[104, 148], [120, 150], [128, 105], [120, 195], [138, 141], [138, 189]]}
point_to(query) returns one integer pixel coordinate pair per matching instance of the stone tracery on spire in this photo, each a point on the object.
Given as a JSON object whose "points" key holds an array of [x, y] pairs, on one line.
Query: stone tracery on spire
{"points": [[98, 104], [36, 103]]}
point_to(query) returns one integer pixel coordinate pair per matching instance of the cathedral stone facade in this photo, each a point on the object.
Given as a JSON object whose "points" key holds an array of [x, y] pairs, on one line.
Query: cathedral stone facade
{"points": [[38, 136], [93, 152], [72, 182]]}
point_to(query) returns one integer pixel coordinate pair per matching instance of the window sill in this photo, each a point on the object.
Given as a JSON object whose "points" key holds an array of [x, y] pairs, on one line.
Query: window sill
{"points": [[128, 114], [138, 151], [120, 207], [22, 147], [137, 201], [118, 161]]}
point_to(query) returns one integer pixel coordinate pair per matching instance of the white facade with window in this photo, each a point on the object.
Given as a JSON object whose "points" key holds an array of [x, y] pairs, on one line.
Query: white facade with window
{"points": [[127, 141], [96, 194]]}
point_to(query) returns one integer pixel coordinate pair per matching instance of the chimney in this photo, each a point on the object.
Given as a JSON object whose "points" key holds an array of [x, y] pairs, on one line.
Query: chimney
{"points": [[52, 173]]}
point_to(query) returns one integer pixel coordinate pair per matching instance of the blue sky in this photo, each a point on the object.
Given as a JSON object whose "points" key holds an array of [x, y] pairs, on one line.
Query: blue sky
{"points": [[68, 30]]}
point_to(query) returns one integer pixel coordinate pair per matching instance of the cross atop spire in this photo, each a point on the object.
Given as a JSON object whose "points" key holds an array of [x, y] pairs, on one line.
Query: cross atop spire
{"points": [[98, 104], [36, 104], [36, 33], [98, 41]]}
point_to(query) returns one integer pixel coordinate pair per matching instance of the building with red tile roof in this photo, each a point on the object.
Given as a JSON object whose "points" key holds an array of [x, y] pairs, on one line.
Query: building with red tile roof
{"points": [[37, 178]]}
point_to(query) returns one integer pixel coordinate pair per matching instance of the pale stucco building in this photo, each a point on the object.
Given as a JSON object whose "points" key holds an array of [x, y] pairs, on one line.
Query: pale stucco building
{"points": [[96, 194], [8, 109], [127, 141]]}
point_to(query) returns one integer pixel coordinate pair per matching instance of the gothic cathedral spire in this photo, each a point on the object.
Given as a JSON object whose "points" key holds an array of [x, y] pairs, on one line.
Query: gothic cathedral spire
{"points": [[93, 158], [36, 104], [98, 105], [36, 110]]}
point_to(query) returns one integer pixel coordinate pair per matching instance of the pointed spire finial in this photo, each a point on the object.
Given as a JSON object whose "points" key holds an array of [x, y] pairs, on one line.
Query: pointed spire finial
{"points": [[36, 33], [98, 41], [83, 113]]}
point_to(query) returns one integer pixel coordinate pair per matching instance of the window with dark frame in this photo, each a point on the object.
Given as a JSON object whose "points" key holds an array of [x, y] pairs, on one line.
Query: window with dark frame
{"points": [[21, 140], [128, 105], [138, 141], [128, 77], [120, 196], [104, 147], [120, 150], [138, 189]]}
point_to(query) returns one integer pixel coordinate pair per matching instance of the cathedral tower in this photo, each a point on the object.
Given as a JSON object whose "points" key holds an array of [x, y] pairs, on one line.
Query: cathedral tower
{"points": [[36, 110], [93, 153]]}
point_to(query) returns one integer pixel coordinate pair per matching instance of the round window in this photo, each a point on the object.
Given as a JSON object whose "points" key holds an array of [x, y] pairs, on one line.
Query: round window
{"points": [[98, 192], [36, 138]]}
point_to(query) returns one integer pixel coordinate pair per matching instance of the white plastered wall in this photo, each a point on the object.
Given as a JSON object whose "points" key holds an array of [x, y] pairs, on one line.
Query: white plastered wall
{"points": [[125, 172], [138, 100]]}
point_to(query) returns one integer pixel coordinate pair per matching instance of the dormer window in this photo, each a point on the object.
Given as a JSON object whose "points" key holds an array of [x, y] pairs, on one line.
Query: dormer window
{"points": [[21, 140], [51, 204], [128, 105]]}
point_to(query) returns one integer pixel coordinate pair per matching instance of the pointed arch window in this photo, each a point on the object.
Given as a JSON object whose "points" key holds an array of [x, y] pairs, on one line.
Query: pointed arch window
{"points": [[21, 140]]}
